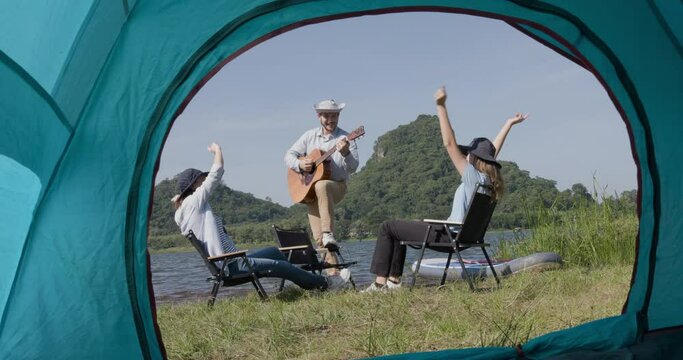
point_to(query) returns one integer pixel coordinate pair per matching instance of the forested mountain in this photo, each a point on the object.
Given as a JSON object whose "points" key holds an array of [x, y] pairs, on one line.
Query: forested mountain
{"points": [[408, 176]]}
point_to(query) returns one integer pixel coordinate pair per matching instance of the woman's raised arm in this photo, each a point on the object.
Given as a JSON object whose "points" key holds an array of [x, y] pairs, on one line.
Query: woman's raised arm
{"points": [[503, 133], [447, 134]]}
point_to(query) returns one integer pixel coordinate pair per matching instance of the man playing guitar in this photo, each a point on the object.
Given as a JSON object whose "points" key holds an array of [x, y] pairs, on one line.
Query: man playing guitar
{"points": [[342, 163]]}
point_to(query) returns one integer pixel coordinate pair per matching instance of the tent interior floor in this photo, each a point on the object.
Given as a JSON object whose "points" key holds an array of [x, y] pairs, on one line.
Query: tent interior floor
{"points": [[665, 344]]}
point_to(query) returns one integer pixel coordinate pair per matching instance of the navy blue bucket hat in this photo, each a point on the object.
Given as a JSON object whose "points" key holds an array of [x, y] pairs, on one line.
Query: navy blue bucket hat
{"points": [[483, 148], [187, 178]]}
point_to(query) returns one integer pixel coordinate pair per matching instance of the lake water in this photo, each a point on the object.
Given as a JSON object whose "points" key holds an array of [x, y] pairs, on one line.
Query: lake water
{"points": [[180, 277]]}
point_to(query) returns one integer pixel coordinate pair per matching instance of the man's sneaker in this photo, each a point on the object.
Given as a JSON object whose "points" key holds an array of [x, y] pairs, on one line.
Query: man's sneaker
{"points": [[339, 280], [329, 241]]}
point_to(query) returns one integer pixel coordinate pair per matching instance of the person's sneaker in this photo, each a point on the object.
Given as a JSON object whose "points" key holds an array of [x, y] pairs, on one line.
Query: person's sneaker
{"points": [[329, 241], [392, 285], [374, 287], [339, 280]]}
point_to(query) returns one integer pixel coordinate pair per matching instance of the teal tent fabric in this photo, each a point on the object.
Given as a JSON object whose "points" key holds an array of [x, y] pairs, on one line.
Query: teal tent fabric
{"points": [[19, 189], [89, 90]]}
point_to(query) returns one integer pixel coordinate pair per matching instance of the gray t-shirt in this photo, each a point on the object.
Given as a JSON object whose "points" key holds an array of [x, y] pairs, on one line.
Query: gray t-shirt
{"points": [[463, 194]]}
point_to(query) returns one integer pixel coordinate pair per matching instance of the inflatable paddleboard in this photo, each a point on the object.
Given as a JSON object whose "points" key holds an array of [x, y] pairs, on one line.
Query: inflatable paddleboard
{"points": [[433, 268]]}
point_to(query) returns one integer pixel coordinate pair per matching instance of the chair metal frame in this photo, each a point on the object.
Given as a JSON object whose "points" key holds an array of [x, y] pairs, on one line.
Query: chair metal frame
{"points": [[220, 276], [306, 256], [463, 236]]}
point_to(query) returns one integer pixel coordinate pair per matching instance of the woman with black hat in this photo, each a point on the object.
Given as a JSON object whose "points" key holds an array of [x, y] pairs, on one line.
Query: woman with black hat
{"points": [[475, 163], [193, 212]]}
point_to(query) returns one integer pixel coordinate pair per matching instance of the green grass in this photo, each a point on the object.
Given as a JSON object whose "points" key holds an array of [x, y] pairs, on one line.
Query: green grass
{"points": [[596, 241], [308, 325], [591, 235]]}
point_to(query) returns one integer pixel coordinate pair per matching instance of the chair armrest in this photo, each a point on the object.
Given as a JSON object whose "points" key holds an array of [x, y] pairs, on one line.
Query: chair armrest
{"points": [[227, 256], [345, 265], [446, 222], [293, 248], [444, 244], [460, 245]]}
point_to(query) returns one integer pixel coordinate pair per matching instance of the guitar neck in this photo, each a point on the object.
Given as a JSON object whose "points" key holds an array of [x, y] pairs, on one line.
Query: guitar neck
{"points": [[327, 154], [360, 131]]}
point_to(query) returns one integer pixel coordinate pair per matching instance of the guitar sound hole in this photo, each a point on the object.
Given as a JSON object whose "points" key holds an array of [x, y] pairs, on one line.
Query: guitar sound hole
{"points": [[308, 178]]}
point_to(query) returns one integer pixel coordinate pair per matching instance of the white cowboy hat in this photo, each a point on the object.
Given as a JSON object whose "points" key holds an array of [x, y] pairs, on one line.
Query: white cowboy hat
{"points": [[328, 106]]}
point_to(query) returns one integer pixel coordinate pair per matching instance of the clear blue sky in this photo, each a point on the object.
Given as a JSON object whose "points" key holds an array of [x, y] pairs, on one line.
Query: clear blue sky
{"points": [[386, 69]]}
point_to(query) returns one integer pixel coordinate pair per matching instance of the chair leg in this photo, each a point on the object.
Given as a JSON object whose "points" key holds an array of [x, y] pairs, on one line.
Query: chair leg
{"points": [[255, 281], [341, 258], [466, 273], [468, 276], [422, 254], [282, 282], [217, 284], [259, 289], [445, 270], [493, 270], [353, 283], [214, 292]]}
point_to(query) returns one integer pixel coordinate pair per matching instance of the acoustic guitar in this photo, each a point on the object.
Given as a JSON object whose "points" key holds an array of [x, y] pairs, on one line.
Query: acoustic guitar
{"points": [[301, 184]]}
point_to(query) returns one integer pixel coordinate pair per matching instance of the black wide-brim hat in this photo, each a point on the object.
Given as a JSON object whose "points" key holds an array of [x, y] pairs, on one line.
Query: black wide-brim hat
{"points": [[483, 148], [187, 178]]}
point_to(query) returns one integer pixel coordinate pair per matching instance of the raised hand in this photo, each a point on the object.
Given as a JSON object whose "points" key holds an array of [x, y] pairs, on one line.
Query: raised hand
{"points": [[518, 118], [214, 148], [440, 96]]}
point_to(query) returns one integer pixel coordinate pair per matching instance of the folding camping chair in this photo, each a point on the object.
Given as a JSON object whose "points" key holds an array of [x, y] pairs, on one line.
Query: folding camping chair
{"points": [[463, 236], [307, 258], [219, 275]]}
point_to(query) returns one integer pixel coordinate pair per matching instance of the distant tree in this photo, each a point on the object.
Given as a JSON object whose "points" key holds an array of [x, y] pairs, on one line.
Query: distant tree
{"points": [[580, 193]]}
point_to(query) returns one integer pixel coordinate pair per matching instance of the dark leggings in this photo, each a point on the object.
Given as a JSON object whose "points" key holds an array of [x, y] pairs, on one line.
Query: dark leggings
{"points": [[390, 255]]}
